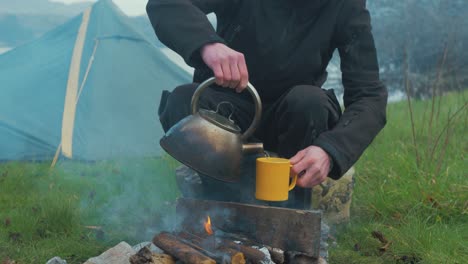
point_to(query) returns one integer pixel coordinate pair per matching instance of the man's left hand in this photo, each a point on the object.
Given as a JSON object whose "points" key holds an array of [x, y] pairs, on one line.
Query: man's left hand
{"points": [[315, 163]]}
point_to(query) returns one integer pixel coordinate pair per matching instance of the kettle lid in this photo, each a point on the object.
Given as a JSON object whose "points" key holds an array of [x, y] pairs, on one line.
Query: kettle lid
{"points": [[220, 121]]}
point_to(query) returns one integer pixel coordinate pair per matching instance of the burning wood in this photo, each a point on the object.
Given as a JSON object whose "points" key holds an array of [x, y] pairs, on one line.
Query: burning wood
{"points": [[237, 233], [288, 229], [194, 249], [212, 249]]}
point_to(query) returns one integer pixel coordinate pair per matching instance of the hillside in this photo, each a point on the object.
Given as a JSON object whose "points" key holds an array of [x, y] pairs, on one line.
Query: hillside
{"points": [[44, 7], [24, 20]]}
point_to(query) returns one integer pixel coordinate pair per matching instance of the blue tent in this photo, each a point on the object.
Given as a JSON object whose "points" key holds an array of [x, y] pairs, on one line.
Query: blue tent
{"points": [[88, 89]]}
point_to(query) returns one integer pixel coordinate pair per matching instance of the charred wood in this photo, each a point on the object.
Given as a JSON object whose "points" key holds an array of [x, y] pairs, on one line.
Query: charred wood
{"points": [[277, 254], [209, 247], [252, 254], [143, 256], [277, 227]]}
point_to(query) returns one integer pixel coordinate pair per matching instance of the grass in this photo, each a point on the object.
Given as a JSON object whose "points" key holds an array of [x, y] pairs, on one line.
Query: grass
{"points": [[421, 209], [419, 206], [46, 213]]}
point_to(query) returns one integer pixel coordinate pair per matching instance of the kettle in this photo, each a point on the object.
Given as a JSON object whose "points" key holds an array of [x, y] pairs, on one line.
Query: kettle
{"points": [[210, 143]]}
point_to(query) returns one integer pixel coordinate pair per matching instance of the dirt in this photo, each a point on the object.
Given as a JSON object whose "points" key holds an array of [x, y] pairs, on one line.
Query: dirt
{"points": [[7, 222], [378, 235]]}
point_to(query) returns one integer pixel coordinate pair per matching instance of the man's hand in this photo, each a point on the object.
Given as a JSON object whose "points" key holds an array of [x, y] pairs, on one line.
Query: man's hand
{"points": [[227, 64], [315, 163]]}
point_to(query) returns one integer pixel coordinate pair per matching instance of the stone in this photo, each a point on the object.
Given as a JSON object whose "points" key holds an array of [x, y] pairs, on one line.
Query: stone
{"points": [[119, 254], [265, 251], [333, 198], [322, 261], [56, 260]]}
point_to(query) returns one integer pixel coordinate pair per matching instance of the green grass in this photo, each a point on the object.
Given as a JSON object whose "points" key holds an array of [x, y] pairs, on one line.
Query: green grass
{"points": [[422, 209], [45, 213]]}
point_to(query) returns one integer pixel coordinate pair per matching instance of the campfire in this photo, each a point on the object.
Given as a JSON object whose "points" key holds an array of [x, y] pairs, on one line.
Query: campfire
{"points": [[210, 232]]}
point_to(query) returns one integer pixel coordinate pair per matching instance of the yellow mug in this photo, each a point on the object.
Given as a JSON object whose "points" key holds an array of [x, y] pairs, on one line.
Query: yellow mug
{"points": [[272, 179]]}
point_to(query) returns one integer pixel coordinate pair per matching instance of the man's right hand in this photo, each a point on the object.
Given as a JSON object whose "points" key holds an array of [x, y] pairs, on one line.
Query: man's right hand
{"points": [[228, 65]]}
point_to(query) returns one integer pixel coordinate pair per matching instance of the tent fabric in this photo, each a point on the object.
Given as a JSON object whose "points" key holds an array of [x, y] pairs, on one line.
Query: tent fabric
{"points": [[120, 79]]}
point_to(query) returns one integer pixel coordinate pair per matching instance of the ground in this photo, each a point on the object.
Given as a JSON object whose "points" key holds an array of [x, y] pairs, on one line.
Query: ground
{"points": [[409, 204]]}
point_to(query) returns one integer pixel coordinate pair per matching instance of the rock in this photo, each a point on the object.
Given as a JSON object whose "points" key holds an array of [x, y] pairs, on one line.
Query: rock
{"points": [[299, 258], [265, 251], [119, 254], [333, 198], [321, 261], [56, 260]]}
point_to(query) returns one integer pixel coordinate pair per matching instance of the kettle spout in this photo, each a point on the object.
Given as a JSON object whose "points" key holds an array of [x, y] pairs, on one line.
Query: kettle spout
{"points": [[251, 148]]}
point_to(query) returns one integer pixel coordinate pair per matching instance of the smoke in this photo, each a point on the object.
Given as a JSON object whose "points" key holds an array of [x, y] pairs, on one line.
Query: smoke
{"points": [[129, 199]]}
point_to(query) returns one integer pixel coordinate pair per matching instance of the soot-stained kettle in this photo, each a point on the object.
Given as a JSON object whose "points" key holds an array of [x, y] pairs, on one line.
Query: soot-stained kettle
{"points": [[210, 143]]}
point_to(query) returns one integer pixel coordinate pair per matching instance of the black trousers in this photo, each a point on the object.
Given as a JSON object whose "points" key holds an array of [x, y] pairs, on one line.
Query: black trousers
{"points": [[288, 125]]}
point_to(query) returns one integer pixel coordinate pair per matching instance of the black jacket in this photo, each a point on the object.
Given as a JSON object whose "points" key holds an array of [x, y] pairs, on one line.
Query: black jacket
{"points": [[288, 43]]}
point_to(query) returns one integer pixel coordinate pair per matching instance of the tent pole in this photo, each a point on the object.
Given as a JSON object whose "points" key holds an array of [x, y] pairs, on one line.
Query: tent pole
{"points": [[69, 110], [57, 153]]}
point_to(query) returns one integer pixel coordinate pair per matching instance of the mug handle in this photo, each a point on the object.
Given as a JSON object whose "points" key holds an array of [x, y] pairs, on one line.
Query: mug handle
{"points": [[293, 182]]}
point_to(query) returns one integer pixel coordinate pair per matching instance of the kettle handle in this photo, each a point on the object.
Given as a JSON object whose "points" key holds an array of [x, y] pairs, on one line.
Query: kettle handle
{"points": [[250, 88]]}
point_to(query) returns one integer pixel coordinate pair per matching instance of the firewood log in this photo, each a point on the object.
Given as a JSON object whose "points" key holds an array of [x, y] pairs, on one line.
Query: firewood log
{"points": [[277, 255], [162, 259], [180, 250], [236, 257], [219, 253], [252, 254]]}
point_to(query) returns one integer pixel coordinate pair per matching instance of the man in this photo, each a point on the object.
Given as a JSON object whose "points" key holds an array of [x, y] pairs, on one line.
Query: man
{"points": [[283, 48]]}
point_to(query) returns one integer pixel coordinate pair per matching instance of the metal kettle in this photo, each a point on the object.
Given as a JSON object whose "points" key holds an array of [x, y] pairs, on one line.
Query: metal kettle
{"points": [[210, 143]]}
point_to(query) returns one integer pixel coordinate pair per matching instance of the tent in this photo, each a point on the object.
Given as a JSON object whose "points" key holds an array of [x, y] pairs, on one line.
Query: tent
{"points": [[87, 90]]}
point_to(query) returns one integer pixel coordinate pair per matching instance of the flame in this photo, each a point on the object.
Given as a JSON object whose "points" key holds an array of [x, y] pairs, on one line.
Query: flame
{"points": [[208, 226]]}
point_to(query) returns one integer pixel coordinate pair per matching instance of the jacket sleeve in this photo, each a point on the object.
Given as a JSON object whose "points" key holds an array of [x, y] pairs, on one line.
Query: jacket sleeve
{"points": [[182, 25], [365, 97]]}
